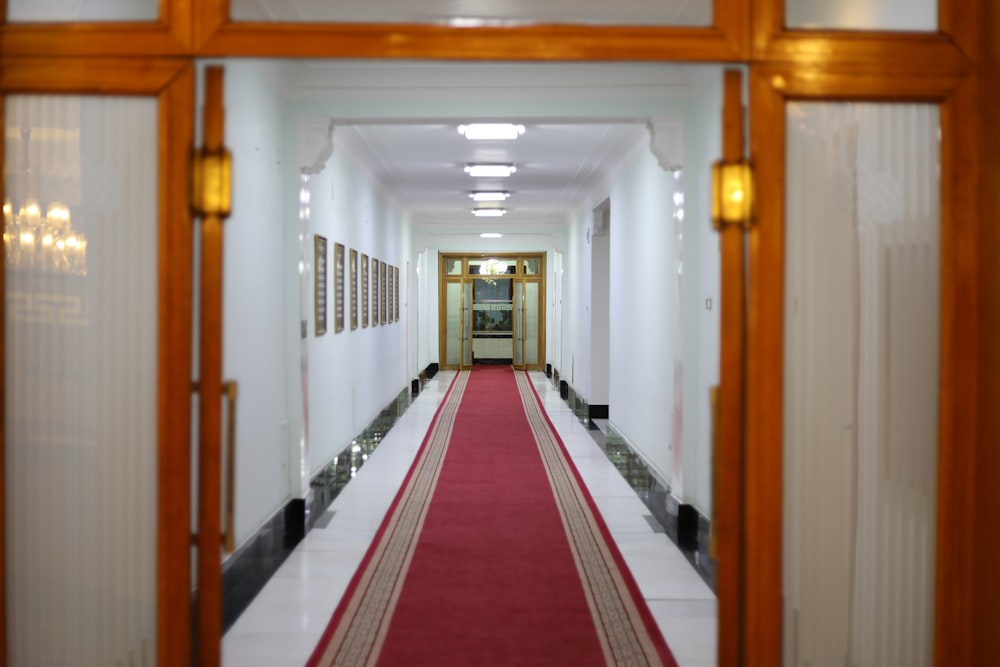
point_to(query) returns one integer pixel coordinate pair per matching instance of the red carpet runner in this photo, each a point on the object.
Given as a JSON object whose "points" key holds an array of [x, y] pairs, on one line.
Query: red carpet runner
{"points": [[492, 552]]}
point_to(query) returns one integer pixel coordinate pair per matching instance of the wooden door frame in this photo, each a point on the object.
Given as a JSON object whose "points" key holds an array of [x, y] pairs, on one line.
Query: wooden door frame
{"points": [[171, 82], [956, 67]]}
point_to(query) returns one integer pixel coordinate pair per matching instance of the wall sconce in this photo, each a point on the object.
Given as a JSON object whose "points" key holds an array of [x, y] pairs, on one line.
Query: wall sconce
{"points": [[212, 183], [732, 194]]}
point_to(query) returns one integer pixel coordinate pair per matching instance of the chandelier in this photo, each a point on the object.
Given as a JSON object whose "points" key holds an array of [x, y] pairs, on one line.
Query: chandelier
{"points": [[492, 267], [37, 242]]}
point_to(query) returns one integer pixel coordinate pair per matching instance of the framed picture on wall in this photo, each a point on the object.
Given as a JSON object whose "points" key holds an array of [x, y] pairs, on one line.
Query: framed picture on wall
{"points": [[395, 291], [339, 273], [352, 269], [382, 290], [375, 292], [389, 293], [319, 286], [364, 291]]}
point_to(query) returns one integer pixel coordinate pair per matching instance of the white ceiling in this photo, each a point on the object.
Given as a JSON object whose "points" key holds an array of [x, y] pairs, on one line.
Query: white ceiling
{"points": [[558, 165], [400, 119]]}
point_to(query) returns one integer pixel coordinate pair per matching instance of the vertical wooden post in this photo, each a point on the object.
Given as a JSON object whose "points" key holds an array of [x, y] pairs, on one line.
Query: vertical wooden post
{"points": [[209, 568], [729, 477]]}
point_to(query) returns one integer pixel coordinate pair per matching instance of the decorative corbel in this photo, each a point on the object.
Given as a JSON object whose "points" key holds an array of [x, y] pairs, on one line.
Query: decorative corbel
{"points": [[666, 141], [315, 145]]}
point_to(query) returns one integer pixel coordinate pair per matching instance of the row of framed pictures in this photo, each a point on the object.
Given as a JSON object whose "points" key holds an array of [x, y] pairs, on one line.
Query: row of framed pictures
{"points": [[377, 280]]}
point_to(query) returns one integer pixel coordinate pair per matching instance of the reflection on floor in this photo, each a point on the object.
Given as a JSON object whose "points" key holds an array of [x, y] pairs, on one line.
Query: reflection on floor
{"points": [[284, 622], [693, 540]]}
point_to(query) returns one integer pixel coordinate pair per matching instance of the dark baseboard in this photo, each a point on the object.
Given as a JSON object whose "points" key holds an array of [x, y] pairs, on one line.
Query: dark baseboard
{"points": [[432, 369], [683, 523], [548, 370], [598, 411], [252, 565]]}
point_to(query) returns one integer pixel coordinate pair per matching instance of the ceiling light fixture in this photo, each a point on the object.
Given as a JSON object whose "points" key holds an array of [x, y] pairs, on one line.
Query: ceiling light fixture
{"points": [[488, 212], [491, 131], [488, 196], [490, 170], [490, 235]]}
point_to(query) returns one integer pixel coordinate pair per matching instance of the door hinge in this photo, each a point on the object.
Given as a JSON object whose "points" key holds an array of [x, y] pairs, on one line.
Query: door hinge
{"points": [[211, 183]]}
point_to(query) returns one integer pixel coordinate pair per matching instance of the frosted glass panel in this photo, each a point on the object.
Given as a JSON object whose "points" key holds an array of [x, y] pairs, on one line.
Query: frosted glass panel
{"points": [[453, 323], [531, 312], [861, 384], [478, 12], [918, 15], [82, 10], [466, 324], [518, 325], [80, 232]]}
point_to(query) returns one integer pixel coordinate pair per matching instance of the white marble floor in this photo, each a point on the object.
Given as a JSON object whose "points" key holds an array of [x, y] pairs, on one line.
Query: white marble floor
{"points": [[284, 622]]}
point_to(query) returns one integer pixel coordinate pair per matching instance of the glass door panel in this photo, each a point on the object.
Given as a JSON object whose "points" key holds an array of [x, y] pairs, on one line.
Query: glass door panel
{"points": [[920, 15], [519, 325], [862, 324], [80, 349], [465, 14], [532, 309], [453, 324], [77, 11], [466, 324]]}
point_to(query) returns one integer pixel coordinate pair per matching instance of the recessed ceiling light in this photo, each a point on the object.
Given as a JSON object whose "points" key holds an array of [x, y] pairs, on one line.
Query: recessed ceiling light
{"points": [[490, 235], [489, 196], [491, 131], [490, 170], [488, 212]]}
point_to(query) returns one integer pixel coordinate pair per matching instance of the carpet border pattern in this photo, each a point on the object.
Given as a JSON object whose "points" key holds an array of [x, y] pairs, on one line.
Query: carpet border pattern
{"points": [[374, 591], [625, 628], [621, 626]]}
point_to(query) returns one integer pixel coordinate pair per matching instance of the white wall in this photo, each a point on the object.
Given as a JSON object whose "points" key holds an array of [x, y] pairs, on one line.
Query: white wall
{"points": [[700, 319], [643, 305], [576, 303], [599, 390], [254, 292], [350, 376], [353, 374]]}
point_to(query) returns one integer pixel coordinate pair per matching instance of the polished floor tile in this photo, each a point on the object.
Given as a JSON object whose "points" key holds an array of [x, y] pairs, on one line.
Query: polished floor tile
{"points": [[285, 621]]}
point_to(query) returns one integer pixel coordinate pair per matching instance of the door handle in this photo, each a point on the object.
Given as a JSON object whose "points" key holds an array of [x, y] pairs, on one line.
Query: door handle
{"points": [[230, 390], [713, 540]]}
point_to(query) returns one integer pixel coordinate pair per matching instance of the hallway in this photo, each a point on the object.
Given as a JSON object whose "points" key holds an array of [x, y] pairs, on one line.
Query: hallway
{"points": [[284, 622]]}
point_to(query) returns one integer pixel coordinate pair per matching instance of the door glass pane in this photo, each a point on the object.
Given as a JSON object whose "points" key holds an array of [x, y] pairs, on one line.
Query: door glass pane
{"points": [[453, 267], [476, 12], [81, 11], [492, 267], [531, 266], [861, 383], [80, 353], [518, 325], [453, 323], [467, 324], [919, 15], [531, 331]]}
